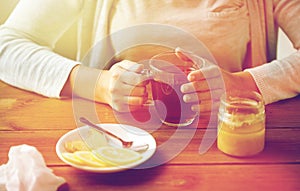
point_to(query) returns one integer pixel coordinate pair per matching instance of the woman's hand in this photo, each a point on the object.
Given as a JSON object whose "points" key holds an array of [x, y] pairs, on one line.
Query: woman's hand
{"points": [[123, 86], [207, 84], [205, 88]]}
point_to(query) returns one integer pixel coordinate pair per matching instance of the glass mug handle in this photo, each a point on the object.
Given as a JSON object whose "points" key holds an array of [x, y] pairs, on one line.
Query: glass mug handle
{"points": [[198, 62], [147, 74]]}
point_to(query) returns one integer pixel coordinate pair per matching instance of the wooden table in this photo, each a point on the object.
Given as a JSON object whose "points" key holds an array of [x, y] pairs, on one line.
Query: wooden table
{"points": [[27, 118]]}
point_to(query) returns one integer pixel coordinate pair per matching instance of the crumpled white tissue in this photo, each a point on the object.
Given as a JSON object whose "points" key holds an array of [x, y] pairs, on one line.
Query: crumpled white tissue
{"points": [[26, 170]]}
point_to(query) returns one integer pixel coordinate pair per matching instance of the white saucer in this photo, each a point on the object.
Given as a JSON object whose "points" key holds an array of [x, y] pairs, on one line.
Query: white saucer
{"points": [[138, 135]]}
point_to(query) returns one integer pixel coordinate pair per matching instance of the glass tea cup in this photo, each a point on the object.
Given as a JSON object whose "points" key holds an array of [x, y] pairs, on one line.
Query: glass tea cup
{"points": [[168, 71]]}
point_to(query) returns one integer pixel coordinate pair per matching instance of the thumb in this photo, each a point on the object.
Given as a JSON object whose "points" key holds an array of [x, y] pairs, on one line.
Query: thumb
{"points": [[189, 57], [183, 55], [131, 66]]}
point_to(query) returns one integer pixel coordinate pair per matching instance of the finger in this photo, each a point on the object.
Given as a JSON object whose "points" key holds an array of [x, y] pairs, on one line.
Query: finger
{"points": [[206, 106], [121, 75], [194, 87], [189, 56], [131, 73], [209, 84], [127, 90], [135, 100], [203, 85], [196, 97], [138, 91], [196, 75], [117, 70], [211, 71], [133, 79], [131, 66], [208, 95], [127, 65], [183, 55], [125, 103]]}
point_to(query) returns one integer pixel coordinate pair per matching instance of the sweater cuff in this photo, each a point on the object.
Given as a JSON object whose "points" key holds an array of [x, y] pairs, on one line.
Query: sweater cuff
{"points": [[66, 71], [259, 76]]}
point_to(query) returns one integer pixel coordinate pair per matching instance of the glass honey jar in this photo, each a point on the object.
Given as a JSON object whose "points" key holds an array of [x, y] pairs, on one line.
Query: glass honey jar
{"points": [[241, 124]]}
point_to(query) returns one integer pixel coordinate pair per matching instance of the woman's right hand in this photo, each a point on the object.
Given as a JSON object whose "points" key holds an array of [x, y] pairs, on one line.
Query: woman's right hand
{"points": [[123, 86]]}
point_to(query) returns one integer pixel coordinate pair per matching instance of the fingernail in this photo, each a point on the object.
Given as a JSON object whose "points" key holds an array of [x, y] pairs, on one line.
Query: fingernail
{"points": [[191, 77], [194, 108], [136, 68], [183, 89], [186, 98]]}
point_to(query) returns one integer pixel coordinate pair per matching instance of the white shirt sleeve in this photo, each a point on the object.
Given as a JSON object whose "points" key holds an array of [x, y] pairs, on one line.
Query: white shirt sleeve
{"points": [[280, 79], [26, 42]]}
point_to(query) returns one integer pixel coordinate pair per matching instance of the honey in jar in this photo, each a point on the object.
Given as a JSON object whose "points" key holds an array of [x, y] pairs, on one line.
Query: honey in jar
{"points": [[241, 124]]}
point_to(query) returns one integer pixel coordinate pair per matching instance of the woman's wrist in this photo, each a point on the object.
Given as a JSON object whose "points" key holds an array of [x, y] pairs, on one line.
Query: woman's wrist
{"points": [[239, 81], [102, 94], [67, 90], [88, 83], [248, 81]]}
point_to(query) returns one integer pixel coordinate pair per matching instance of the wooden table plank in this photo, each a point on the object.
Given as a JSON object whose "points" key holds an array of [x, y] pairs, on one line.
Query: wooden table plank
{"points": [[18, 109], [26, 114], [188, 177], [282, 146], [28, 118], [283, 114], [44, 141]]}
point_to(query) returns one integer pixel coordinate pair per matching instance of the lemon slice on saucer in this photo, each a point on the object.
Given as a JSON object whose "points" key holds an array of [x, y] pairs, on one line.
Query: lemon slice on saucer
{"points": [[89, 159], [85, 158], [77, 145], [72, 158], [117, 156]]}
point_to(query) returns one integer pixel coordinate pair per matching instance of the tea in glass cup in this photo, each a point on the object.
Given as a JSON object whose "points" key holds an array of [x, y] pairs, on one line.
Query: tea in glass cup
{"points": [[168, 73]]}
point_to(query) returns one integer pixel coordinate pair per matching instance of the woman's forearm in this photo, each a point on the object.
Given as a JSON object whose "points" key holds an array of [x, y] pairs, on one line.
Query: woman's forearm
{"points": [[88, 83]]}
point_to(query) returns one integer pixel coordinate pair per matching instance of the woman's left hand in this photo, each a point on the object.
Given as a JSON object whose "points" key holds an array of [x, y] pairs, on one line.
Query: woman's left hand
{"points": [[207, 85], [204, 89]]}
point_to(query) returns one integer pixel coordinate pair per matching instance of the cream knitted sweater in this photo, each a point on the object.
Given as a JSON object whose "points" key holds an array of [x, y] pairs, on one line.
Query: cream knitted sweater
{"points": [[29, 35]]}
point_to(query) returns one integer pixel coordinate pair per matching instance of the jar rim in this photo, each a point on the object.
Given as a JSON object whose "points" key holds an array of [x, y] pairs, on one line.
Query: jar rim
{"points": [[245, 99]]}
